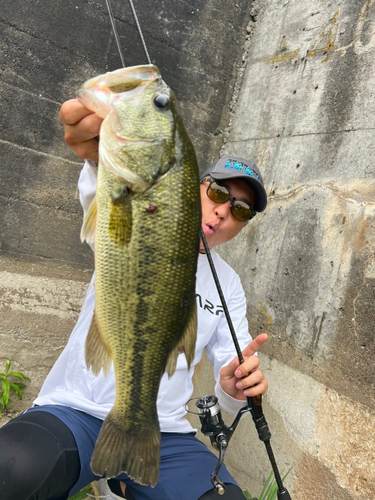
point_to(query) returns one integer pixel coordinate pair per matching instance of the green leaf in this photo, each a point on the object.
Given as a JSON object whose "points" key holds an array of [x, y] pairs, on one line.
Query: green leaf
{"points": [[6, 391], [2, 375], [273, 492], [7, 366], [287, 472], [17, 390], [82, 495], [266, 487], [17, 374], [21, 385]]}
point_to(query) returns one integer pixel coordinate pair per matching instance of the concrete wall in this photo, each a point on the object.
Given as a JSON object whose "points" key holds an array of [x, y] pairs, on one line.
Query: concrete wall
{"points": [[305, 114]]}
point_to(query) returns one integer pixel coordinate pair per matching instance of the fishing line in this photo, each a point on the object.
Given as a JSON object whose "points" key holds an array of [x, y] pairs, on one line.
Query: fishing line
{"points": [[140, 31], [115, 32], [117, 38]]}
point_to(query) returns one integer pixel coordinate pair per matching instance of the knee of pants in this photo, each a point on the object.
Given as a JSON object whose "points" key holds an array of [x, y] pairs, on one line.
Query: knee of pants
{"points": [[27, 459]]}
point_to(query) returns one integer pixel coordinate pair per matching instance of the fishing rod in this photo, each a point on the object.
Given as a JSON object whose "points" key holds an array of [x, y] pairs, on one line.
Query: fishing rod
{"points": [[210, 416]]}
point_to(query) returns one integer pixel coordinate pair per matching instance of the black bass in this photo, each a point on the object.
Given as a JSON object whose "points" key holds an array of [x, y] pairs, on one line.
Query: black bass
{"points": [[145, 223]]}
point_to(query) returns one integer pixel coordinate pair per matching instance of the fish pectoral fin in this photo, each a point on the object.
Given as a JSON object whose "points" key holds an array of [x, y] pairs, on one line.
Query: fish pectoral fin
{"points": [[185, 345], [134, 450], [97, 352], [89, 223], [120, 217]]}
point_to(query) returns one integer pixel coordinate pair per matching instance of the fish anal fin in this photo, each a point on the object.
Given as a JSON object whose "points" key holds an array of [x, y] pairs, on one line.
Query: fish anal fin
{"points": [[185, 345], [120, 217], [97, 353], [89, 223], [135, 451]]}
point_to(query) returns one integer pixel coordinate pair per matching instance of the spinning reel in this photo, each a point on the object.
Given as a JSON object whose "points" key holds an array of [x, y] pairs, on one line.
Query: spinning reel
{"points": [[214, 427]]}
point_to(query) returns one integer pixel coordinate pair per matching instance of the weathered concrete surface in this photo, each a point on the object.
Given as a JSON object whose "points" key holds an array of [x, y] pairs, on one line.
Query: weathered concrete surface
{"points": [[37, 315], [305, 114]]}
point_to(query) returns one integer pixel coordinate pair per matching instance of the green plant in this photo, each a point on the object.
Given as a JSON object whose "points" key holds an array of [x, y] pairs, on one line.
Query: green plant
{"points": [[7, 386], [269, 491], [82, 495]]}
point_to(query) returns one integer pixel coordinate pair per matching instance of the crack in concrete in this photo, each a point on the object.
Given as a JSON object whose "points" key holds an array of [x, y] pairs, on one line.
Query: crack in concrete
{"points": [[354, 319], [33, 204], [70, 215], [305, 187], [48, 155], [238, 83], [45, 40], [44, 257], [279, 136], [38, 96]]}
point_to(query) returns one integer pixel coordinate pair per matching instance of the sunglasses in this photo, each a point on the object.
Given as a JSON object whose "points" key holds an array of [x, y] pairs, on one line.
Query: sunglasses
{"points": [[240, 210]]}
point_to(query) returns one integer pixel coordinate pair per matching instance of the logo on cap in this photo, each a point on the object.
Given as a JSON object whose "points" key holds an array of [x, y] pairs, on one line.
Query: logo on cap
{"points": [[238, 165]]}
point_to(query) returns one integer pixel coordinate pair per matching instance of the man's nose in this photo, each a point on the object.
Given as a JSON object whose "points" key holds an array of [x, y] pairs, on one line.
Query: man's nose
{"points": [[223, 209]]}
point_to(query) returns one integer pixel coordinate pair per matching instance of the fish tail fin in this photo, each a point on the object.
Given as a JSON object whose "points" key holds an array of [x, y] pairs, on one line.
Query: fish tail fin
{"points": [[89, 223], [133, 451], [97, 352], [186, 344]]}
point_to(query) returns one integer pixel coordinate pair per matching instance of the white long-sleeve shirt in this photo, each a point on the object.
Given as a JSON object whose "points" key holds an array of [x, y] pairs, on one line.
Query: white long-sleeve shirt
{"points": [[70, 383]]}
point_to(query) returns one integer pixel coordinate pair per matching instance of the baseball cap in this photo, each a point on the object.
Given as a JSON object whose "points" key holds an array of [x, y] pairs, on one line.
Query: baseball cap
{"points": [[230, 167]]}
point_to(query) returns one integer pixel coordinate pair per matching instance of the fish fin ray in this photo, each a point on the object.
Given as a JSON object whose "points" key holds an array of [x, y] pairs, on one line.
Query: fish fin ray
{"points": [[89, 223], [97, 353], [185, 345], [135, 451], [120, 218]]}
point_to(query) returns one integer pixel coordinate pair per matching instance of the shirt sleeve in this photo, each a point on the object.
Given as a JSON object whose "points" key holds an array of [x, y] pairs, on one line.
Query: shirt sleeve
{"points": [[221, 349], [87, 187], [87, 184]]}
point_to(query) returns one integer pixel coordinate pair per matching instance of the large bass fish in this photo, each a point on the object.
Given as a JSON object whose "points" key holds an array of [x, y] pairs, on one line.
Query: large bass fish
{"points": [[145, 223]]}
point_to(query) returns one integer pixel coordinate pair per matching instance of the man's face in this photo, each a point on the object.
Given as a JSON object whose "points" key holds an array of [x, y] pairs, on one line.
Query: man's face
{"points": [[218, 223]]}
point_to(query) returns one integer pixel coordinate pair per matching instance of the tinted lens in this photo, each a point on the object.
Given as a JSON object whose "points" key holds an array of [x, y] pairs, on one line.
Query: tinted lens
{"points": [[242, 211], [218, 194]]}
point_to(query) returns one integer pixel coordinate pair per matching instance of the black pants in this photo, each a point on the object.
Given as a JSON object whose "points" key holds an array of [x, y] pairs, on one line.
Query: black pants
{"points": [[39, 460]]}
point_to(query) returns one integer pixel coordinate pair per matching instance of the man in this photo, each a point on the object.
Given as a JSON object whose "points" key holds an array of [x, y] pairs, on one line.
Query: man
{"points": [[46, 451]]}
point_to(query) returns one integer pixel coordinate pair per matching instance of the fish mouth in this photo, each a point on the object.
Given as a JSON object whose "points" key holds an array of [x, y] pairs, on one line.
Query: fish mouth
{"points": [[137, 142], [140, 141]]}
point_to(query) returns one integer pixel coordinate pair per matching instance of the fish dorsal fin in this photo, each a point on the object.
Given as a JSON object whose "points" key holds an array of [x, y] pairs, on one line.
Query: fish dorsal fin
{"points": [[89, 223], [97, 353], [186, 344]]}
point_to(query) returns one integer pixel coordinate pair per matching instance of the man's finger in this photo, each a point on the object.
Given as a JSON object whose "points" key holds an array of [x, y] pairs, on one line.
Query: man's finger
{"points": [[72, 112], [228, 370], [254, 345]]}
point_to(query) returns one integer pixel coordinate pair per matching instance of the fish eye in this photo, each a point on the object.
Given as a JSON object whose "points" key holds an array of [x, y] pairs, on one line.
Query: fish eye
{"points": [[161, 101]]}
